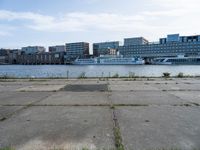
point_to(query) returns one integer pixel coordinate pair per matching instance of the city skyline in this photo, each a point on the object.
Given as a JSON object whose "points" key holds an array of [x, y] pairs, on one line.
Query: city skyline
{"points": [[182, 49], [46, 23]]}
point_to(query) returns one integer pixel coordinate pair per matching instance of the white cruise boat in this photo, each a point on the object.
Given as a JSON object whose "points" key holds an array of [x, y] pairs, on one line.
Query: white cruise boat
{"points": [[109, 60], [86, 61], [180, 60], [121, 61]]}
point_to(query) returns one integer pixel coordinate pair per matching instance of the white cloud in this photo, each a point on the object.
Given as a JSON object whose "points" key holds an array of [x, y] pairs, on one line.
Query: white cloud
{"points": [[168, 16], [2, 33], [165, 13], [6, 30], [76, 21], [91, 1], [177, 3], [10, 15]]}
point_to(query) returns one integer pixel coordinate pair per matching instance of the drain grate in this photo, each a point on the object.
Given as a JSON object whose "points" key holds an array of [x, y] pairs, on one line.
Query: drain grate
{"points": [[86, 88]]}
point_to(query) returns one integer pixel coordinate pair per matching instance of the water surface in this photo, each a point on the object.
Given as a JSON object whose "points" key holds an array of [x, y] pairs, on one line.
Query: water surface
{"points": [[72, 71]]}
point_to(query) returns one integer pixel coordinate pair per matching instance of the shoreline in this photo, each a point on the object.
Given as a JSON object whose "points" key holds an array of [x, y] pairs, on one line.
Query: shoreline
{"points": [[101, 78]]}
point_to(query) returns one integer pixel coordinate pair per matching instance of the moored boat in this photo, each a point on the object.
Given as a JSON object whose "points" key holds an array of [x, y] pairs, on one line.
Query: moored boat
{"points": [[179, 60], [109, 60]]}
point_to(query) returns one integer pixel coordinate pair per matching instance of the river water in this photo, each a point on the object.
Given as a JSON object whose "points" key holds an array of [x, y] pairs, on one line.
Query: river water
{"points": [[72, 71]]}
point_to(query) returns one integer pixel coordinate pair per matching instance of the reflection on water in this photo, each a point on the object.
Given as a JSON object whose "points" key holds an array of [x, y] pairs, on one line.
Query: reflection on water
{"points": [[96, 70]]}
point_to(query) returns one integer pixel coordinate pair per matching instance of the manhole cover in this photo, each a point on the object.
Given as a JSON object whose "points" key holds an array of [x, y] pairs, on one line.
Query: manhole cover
{"points": [[86, 88]]}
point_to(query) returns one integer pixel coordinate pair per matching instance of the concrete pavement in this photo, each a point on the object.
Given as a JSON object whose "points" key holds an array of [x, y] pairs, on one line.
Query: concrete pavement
{"points": [[131, 114]]}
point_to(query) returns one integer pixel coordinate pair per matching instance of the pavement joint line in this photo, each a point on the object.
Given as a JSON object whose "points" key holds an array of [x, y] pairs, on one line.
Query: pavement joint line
{"points": [[196, 104], [175, 96], [109, 88], [23, 91], [23, 108], [180, 90], [116, 131], [116, 128], [63, 105], [191, 104]]}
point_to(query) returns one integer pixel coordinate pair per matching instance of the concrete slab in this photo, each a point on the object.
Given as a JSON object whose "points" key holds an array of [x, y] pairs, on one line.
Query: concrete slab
{"points": [[14, 87], [29, 82], [140, 81], [157, 127], [178, 87], [145, 97], [191, 87], [13, 82], [132, 87], [76, 98], [86, 81], [164, 81], [59, 128], [48, 81], [6, 111], [190, 80], [22, 98], [188, 96], [167, 87], [41, 88]]}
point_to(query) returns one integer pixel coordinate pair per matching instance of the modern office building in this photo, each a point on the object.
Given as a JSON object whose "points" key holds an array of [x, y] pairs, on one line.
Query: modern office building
{"points": [[33, 49], [57, 48], [75, 50], [14, 55], [173, 45], [135, 41], [4, 52], [3, 60], [4, 56], [172, 38], [42, 58], [113, 51], [105, 48], [9, 56]]}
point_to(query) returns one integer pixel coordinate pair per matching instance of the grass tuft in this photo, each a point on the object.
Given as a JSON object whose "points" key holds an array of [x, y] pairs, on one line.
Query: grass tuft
{"points": [[115, 75], [180, 75], [166, 74], [118, 139], [82, 76]]}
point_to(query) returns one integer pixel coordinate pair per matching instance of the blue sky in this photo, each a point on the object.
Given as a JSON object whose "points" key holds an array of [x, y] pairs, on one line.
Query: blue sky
{"points": [[55, 22]]}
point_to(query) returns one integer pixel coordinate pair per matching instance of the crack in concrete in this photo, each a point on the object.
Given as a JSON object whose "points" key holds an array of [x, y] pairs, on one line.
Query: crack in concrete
{"points": [[116, 128], [116, 131], [23, 108]]}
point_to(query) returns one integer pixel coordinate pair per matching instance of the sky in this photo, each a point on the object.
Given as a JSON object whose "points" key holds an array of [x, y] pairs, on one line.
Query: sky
{"points": [[56, 22]]}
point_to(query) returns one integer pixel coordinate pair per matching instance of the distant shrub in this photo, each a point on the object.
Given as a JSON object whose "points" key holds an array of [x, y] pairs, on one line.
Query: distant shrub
{"points": [[116, 75], [131, 74], [5, 76], [166, 74], [82, 75], [180, 75]]}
